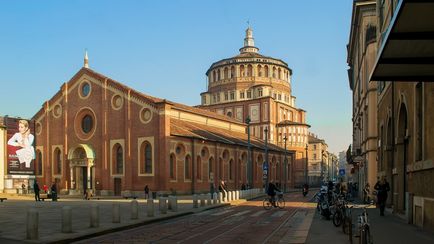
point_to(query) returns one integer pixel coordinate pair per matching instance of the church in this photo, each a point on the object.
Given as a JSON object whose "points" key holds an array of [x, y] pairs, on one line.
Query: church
{"points": [[96, 133]]}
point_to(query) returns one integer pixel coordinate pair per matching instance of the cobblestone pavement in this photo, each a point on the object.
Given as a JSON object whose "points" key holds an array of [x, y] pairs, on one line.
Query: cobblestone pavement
{"points": [[245, 223]]}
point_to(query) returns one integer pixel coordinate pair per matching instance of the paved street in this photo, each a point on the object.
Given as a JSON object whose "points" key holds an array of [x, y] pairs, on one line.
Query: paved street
{"points": [[245, 223]]}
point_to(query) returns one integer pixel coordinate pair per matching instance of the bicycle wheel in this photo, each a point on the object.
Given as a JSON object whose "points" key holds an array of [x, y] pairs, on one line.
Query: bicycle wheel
{"points": [[365, 235], [280, 203], [267, 204], [337, 218]]}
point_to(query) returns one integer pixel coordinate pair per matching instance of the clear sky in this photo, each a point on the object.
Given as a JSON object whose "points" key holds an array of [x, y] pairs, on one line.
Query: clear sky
{"points": [[163, 48]]}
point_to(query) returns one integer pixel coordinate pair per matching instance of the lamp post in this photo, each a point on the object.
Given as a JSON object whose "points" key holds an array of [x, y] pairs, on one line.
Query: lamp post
{"points": [[249, 158], [266, 159], [286, 165], [305, 167]]}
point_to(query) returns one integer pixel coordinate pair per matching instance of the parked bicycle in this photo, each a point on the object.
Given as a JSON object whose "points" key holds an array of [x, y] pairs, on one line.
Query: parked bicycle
{"points": [[269, 202], [364, 228], [347, 223]]}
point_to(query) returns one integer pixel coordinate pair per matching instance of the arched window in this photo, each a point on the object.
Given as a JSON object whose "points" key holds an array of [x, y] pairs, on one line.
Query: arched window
{"points": [[187, 168], [221, 169], [214, 76], [118, 159], [266, 70], [242, 74], [146, 160], [274, 72], [231, 169], [280, 73], [57, 161], [259, 70], [218, 74], [210, 167], [199, 168], [249, 70], [226, 73], [172, 167], [232, 71]]}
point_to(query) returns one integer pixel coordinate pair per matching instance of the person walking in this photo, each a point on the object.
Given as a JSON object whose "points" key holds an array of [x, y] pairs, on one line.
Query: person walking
{"points": [[36, 190], [382, 187], [53, 190], [146, 192], [366, 192]]}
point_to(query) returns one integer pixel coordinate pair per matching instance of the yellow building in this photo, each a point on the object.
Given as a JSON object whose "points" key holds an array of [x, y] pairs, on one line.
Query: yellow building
{"points": [[362, 48], [403, 67]]}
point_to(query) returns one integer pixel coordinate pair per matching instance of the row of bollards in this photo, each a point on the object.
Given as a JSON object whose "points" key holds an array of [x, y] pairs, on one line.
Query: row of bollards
{"points": [[165, 204]]}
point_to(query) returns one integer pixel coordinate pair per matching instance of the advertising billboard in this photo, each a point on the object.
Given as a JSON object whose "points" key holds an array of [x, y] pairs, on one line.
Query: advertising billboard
{"points": [[21, 150]]}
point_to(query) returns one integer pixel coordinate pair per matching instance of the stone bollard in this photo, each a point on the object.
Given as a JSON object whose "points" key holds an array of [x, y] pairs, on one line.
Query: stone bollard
{"points": [[169, 204], [195, 204], [215, 198], [220, 198], [134, 209], [150, 207], [32, 224], [208, 199], [202, 200], [66, 219], [162, 202], [173, 203], [94, 216], [116, 217], [229, 196], [237, 195]]}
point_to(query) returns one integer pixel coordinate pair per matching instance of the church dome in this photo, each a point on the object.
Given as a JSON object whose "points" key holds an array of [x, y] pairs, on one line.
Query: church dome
{"points": [[248, 72]]}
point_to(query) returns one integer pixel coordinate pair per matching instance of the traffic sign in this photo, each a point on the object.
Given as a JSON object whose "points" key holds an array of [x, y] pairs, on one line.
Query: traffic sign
{"points": [[342, 172], [264, 166]]}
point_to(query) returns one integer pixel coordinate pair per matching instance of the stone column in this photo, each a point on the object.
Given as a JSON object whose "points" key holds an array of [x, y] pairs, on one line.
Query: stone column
{"points": [[71, 172], [195, 204], [94, 216], [134, 209], [66, 219], [88, 176], [32, 224], [150, 207]]}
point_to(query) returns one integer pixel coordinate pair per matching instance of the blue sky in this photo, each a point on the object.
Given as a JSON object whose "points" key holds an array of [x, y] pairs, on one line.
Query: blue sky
{"points": [[163, 48]]}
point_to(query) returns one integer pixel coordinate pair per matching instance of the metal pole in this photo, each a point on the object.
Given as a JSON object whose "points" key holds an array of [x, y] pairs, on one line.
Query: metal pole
{"points": [[286, 164], [305, 168], [249, 158], [266, 159]]}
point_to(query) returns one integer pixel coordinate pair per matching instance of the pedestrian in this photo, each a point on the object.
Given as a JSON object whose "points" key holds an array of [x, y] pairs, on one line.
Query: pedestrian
{"points": [[146, 192], [23, 187], [45, 188], [212, 189], [382, 188], [366, 191], [36, 190], [53, 190], [243, 187]]}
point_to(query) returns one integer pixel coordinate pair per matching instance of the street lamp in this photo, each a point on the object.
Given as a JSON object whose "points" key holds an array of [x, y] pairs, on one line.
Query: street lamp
{"points": [[266, 159], [305, 168], [286, 164], [249, 158]]}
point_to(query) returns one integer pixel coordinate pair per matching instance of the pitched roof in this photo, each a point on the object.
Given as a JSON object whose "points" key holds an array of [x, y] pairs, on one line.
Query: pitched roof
{"points": [[203, 132]]}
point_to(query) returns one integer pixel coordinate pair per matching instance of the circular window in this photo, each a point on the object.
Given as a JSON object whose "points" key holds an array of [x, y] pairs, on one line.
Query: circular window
{"points": [[203, 152], [178, 150], [87, 123], [85, 89], [57, 111], [38, 128], [117, 102], [145, 115]]}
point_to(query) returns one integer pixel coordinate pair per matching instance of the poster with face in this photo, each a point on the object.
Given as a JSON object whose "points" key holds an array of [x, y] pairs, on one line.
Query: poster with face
{"points": [[21, 150]]}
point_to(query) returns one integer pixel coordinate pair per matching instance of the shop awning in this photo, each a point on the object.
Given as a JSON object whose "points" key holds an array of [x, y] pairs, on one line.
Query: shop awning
{"points": [[407, 50]]}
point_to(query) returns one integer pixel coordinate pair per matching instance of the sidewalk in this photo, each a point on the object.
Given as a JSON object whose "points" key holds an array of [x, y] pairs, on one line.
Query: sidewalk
{"points": [[384, 229]]}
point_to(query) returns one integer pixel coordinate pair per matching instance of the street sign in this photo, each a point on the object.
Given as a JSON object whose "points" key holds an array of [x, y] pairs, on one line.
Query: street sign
{"points": [[342, 172], [265, 166], [358, 159]]}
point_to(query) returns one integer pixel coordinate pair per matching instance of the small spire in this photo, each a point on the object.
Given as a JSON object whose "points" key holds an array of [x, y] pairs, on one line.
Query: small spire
{"points": [[86, 60], [249, 41]]}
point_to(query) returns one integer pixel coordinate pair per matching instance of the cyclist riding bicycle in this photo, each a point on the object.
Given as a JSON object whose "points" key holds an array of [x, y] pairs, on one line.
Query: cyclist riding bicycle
{"points": [[271, 192]]}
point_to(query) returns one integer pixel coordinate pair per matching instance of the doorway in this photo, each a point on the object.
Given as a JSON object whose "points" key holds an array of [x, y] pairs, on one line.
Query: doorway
{"points": [[118, 186]]}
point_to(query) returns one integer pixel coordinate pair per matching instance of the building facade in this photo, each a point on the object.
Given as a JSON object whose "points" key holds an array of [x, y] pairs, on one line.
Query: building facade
{"points": [[362, 49], [405, 109], [317, 160], [258, 88]]}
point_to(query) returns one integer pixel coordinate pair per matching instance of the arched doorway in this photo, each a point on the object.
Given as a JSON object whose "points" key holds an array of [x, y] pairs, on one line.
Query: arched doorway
{"points": [[81, 161], [400, 180]]}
